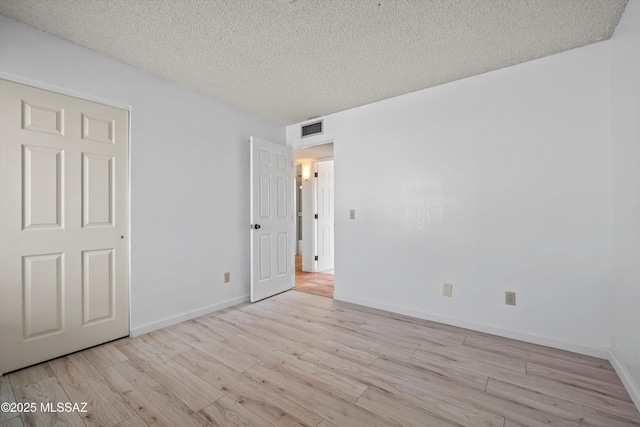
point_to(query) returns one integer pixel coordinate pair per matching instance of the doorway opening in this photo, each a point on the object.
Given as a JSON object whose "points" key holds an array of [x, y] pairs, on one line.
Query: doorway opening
{"points": [[315, 219]]}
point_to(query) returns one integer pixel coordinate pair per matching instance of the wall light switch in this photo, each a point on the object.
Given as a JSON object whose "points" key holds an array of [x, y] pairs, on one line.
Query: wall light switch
{"points": [[447, 289], [227, 277], [352, 214]]}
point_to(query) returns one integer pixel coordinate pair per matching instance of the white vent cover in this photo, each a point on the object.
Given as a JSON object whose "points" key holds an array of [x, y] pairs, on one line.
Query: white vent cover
{"points": [[311, 129]]}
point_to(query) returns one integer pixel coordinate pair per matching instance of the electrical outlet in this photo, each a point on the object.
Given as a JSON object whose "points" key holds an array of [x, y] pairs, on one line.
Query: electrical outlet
{"points": [[352, 214], [227, 277], [510, 298], [447, 289]]}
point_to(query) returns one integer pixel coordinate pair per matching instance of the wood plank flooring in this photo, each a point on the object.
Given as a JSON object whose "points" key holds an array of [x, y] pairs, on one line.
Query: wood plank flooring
{"points": [[298, 359], [313, 283]]}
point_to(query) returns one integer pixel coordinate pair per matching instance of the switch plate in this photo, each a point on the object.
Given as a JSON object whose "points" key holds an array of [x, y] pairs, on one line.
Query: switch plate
{"points": [[447, 289], [352, 214], [510, 298], [227, 277]]}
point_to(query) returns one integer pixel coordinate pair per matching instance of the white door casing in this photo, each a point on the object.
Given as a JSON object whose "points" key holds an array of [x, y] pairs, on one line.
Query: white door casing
{"points": [[325, 223], [64, 207], [272, 219]]}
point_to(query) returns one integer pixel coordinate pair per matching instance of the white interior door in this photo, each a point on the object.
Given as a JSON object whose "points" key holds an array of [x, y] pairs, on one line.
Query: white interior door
{"points": [[64, 252], [325, 215], [272, 219]]}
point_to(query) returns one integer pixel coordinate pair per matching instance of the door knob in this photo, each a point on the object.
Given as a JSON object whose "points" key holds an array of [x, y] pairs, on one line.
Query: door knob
{"points": [[256, 226]]}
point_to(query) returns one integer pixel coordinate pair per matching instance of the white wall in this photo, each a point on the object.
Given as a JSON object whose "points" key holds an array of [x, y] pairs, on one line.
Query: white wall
{"points": [[523, 179], [189, 175], [499, 182], [625, 46]]}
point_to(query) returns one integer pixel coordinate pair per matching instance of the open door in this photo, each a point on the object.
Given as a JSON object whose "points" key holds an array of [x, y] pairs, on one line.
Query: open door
{"points": [[272, 219], [325, 221]]}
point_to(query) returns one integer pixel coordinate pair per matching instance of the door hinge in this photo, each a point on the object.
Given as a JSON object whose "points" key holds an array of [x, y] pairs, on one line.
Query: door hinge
{"points": [[316, 258], [316, 216], [315, 174]]}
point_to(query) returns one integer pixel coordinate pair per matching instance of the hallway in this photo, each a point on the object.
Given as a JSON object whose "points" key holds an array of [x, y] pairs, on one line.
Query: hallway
{"points": [[313, 283]]}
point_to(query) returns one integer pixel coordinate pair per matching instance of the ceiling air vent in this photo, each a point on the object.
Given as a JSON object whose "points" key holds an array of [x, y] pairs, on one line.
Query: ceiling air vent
{"points": [[311, 129]]}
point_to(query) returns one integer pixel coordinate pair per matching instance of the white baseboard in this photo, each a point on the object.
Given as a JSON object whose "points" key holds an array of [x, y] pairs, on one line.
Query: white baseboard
{"points": [[153, 326], [630, 385], [602, 353]]}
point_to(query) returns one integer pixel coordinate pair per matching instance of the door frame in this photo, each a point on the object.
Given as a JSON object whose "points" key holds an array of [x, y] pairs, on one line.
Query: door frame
{"points": [[112, 103], [308, 193], [69, 92], [309, 216]]}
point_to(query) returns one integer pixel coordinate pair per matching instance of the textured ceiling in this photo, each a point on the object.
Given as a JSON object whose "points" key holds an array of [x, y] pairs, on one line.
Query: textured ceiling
{"points": [[290, 61]]}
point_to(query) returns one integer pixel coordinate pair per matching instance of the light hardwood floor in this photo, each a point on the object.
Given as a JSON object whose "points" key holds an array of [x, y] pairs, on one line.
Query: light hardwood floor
{"points": [[302, 360], [314, 283]]}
